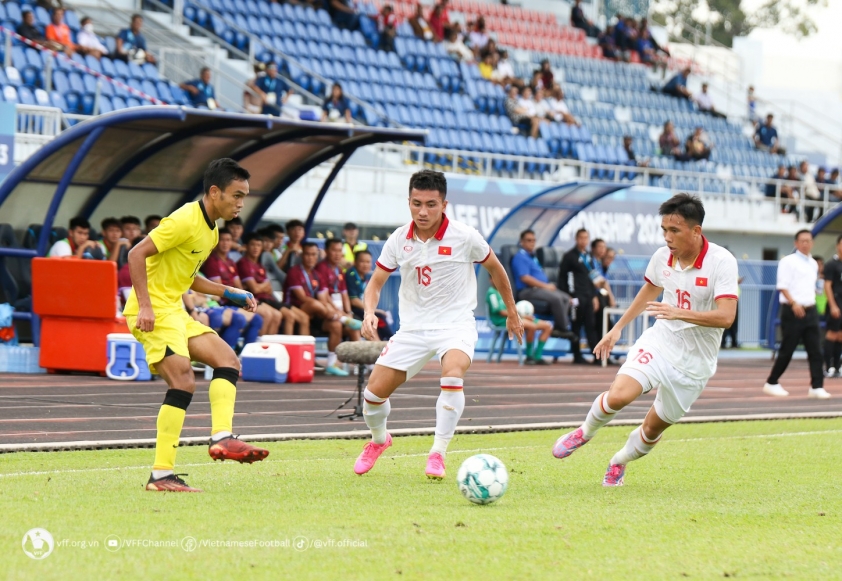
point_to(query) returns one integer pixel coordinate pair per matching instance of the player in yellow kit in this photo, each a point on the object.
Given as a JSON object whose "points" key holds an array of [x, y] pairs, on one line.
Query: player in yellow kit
{"points": [[163, 267]]}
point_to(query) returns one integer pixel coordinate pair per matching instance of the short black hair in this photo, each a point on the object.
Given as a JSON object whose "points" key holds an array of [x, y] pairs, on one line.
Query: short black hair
{"points": [[687, 206], [428, 179], [349, 226], [221, 172], [595, 242], [150, 218], [525, 232], [224, 231], [274, 229], [306, 245], [295, 223], [252, 236], [108, 223], [135, 16], [802, 231], [331, 241], [236, 221], [130, 220], [203, 70], [582, 231], [839, 239], [79, 222], [85, 20], [359, 252]]}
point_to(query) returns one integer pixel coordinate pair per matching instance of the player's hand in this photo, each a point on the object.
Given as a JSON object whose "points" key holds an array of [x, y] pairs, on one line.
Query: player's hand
{"points": [[603, 349], [663, 311], [596, 304], [798, 310], [241, 298], [369, 330], [145, 319], [835, 312], [515, 327]]}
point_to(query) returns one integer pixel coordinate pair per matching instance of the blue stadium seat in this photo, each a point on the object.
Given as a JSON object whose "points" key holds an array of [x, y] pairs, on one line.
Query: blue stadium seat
{"points": [[133, 102], [13, 76], [42, 98]]}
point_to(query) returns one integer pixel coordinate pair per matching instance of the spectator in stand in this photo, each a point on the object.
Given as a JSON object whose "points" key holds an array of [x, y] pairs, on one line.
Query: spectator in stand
{"points": [[834, 177], [669, 142], [305, 290], [456, 48], [821, 178], [786, 190], [78, 243], [439, 20], [478, 37], [116, 247], [387, 26], [351, 244], [356, 279], [698, 145], [528, 111], [151, 222], [200, 90], [795, 192], [88, 41], [236, 228], [766, 137], [337, 108], [420, 26], [578, 20], [752, 107], [292, 254], [627, 145], [131, 44], [532, 284], [504, 74], [272, 90], [646, 48], [30, 31], [58, 32], [486, 67], [558, 108], [344, 14], [254, 279], [705, 103], [625, 34], [252, 101], [330, 271], [517, 114], [131, 228], [677, 85], [547, 77], [810, 191], [220, 268], [644, 26], [608, 44], [490, 47]]}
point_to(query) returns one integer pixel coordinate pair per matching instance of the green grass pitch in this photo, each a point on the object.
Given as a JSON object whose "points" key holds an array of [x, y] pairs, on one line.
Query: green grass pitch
{"points": [[759, 500]]}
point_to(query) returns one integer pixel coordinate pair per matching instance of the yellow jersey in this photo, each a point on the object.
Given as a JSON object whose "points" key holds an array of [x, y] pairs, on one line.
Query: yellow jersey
{"points": [[184, 240]]}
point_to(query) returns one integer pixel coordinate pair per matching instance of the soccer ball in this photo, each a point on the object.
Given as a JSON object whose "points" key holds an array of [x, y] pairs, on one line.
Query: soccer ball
{"points": [[525, 308], [482, 479]]}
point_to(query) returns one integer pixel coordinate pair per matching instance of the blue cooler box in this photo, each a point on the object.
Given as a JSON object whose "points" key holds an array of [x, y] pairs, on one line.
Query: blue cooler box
{"points": [[266, 362], [126, 358]]}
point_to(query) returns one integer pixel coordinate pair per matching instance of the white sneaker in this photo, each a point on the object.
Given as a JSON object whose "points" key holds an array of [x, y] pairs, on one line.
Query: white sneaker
{"points": [[831, 372], [819, 393], [775, 389]]}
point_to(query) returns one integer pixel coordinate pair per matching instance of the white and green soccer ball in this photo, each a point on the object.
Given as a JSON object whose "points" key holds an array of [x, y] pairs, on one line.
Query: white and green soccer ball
{"points": [[482, 479]]}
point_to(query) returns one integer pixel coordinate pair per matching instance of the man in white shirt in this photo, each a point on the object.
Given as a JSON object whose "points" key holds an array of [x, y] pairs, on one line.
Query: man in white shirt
{"points": [[558, 108], [78, 243], [678, 353], [504, 74], [88, 39], [527, 103], [810, 190], [705, 102], [797, 276], [438, 294]]}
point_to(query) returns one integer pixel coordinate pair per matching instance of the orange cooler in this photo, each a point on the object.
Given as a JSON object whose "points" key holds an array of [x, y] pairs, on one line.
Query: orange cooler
{"points": [[302, 355]]}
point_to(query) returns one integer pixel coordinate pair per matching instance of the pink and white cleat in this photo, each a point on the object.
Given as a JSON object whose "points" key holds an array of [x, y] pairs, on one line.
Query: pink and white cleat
{"points": [[370, 454], [435, 466], [568, 444], [614, 475]]}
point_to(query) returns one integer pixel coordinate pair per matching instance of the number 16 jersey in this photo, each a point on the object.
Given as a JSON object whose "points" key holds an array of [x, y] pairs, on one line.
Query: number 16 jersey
{"points": [[687, 347], [438, 285]]}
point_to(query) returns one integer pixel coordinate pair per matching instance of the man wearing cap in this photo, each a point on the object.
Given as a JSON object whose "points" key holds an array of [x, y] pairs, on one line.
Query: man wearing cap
{"points": [[352, 245]]}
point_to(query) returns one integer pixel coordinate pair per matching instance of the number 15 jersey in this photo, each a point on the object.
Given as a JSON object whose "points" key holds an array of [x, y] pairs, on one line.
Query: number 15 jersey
{"points": [[438, 285], [690, 348]]}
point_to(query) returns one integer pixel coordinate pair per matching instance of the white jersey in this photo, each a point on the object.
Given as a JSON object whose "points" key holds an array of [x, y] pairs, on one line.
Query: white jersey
{"points": [[690, 348], [438, 284]]}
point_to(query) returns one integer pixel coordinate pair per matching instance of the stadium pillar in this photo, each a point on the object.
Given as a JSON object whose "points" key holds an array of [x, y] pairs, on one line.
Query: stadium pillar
{"points": [[323, 191]]}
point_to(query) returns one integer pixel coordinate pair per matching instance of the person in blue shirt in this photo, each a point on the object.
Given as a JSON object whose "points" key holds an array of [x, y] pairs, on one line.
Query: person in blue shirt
{"points": [[532, 284], [272, 90], [677, 86], [356, 279], [337, 107], [130, 43], [201, 91], [766, 137]]}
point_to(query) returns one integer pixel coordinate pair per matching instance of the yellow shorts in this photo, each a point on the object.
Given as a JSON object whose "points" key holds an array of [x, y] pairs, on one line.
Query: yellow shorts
{"points": [[171, 330]]}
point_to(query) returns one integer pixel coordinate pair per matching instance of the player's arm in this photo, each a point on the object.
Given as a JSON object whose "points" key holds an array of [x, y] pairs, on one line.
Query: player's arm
{"points": [[137, 270], [721, 317], [370, 299], [237, 296], [255, 287], [530, 280], [645, 295], [501, 280], [831, 300]]}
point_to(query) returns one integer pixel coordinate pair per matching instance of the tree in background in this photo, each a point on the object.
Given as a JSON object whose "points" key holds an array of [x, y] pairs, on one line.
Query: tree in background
{"points": [[730, 18]]}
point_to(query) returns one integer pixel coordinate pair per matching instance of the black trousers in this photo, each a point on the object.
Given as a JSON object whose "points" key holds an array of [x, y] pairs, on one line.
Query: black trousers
{"points": [[585, 318], [731, 331], [795, 331]]}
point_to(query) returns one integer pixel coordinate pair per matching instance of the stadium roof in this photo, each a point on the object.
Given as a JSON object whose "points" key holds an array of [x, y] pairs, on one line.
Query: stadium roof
{"points": [[150, 160], [826, 230]]}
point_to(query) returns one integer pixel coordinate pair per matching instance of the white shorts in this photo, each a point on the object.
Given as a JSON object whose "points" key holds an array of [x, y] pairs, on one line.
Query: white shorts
{"points": [[410, 350], [676, 391]]}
